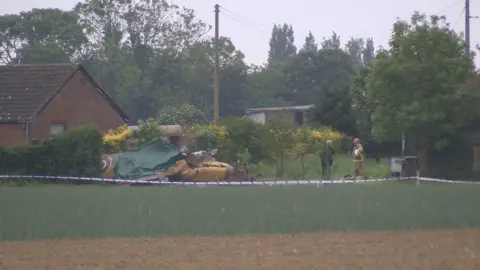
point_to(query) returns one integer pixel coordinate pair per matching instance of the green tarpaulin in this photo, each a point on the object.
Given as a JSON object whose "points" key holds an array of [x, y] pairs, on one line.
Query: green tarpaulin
{"points": [[155, 156]]}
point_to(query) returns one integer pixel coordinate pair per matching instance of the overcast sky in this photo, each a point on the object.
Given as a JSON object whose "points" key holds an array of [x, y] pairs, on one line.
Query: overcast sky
{"points": [[249, 22]]}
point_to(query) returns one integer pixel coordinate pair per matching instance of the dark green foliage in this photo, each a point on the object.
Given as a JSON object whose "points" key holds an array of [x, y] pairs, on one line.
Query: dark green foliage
{"points": [[322, 78], [281, 44], [185, 114], [414, 86], [147, 131], [310, 45], [77, 152], [41, 36], [245, 135], [332, 43], [453, 161]]}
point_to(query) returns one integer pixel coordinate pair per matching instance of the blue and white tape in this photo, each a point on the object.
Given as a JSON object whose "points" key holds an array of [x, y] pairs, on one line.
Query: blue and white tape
{"points": [[428, 179], [165, 181]]}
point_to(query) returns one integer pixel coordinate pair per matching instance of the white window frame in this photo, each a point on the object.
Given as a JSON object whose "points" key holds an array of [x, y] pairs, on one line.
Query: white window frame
{"points": [[57, 128]]}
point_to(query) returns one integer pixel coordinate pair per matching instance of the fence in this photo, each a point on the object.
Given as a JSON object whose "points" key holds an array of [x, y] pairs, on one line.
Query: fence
{"points": [[165, 181]]}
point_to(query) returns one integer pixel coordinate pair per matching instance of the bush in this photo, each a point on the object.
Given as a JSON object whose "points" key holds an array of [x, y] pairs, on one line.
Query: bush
{"points": [[245, 136], [185, 114], [233, 137], [147, 131], [241, 139], [209, 136], [77, 152], [115, 140]]}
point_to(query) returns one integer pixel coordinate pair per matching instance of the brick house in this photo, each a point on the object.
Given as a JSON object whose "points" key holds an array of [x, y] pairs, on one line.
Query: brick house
{"points": [[295, 114], [38, 101]]}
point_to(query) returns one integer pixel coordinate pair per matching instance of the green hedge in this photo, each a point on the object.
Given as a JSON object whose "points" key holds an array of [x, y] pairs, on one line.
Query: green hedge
{"points": [[77, 152]]}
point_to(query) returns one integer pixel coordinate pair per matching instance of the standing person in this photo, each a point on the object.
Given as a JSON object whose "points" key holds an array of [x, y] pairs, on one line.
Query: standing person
{"points": [[358, 154], [327, 161]]}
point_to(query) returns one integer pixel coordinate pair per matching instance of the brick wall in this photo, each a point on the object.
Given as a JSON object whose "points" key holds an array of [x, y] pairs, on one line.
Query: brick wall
{"points": [[78, 103], [12, 134]]}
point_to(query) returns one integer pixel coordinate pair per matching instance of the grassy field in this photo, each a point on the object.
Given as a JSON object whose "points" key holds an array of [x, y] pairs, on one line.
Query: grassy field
{"points": [[55, 211], [342, 165]]}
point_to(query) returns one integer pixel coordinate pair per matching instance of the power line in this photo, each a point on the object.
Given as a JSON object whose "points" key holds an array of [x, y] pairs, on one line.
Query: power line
{"points": [[454, 4], [458, 19], [263, 28], [243, 23], [231, 14]]}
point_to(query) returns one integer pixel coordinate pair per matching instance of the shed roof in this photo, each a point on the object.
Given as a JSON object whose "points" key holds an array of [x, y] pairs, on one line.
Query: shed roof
{"points": [[285, 108]]}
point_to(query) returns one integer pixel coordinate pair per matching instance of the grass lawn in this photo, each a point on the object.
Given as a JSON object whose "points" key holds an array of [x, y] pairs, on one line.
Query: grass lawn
{"points": [[58, 211], [342, 165]]}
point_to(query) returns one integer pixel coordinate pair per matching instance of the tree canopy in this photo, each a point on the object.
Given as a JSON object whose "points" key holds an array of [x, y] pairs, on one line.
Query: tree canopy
{"points": [[414, 85]]}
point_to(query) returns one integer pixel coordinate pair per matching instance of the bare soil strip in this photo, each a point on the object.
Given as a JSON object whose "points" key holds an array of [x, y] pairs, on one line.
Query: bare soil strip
{"points": [[383, 250]]}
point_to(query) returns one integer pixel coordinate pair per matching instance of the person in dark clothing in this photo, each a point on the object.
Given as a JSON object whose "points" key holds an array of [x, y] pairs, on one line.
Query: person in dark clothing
{"points": [[327, 161]]}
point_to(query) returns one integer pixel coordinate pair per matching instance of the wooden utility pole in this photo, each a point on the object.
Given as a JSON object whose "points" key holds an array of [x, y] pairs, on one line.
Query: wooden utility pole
{"points": [[467, 27], [216, 86]]}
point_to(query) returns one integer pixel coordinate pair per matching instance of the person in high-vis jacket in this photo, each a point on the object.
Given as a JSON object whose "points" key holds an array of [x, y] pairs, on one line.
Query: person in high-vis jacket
{"points": [[358, 157]]}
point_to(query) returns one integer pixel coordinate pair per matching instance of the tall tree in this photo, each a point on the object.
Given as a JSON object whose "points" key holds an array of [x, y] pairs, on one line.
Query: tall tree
{"points": [[355, 48], [361, 52], [368, 53], [331, 43], [322, 78], [281, 43], [361, 55], [264, 86], [302, 75], [333, 106], [233, 72], [414, 85], [363, 106], [310, 45], [41, 36], [144, 41]]}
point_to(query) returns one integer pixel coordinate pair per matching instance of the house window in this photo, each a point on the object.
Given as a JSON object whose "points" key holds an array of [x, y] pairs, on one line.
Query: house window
{"points": [[57, 127]]}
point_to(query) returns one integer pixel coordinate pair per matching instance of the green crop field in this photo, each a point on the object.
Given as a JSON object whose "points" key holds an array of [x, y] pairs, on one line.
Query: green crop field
{"points": [[59, 211]]}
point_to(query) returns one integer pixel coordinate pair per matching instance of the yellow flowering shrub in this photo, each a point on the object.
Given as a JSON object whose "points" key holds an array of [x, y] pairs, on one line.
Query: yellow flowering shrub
{"points": [[218, 131], [325, 134], [115, 140], [308, 141], [119, 134]]}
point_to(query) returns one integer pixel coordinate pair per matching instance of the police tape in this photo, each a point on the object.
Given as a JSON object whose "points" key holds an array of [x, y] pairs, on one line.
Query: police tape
{"points": [[166, 181], [428, 179]]}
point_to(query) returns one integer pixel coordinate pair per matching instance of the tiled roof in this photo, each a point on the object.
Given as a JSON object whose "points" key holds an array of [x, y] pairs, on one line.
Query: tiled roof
{"points": [[26, 89]]}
